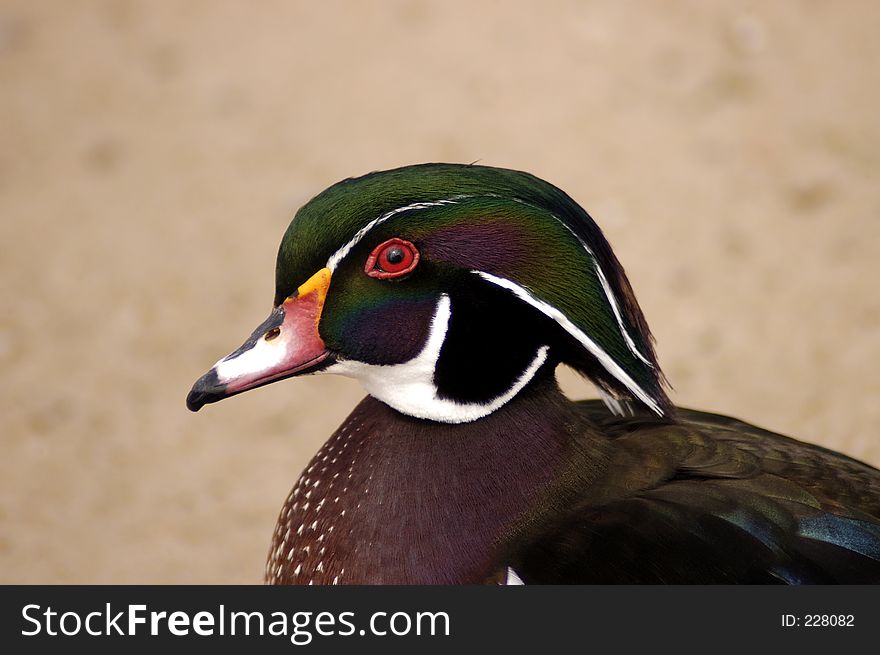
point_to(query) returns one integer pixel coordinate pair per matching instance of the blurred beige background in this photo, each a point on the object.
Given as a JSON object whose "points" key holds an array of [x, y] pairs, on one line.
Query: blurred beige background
{"points": [[152, 154]]}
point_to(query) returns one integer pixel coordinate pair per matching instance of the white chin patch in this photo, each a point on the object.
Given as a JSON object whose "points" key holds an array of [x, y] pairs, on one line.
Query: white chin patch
{"points": [[409, 387]]}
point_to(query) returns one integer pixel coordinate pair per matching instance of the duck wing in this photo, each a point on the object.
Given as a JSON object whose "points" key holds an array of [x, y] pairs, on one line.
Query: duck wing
{"points": [[708, 499]]}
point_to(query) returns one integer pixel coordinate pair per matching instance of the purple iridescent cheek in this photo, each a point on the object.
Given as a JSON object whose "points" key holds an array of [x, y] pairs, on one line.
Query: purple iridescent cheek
{"points": [[382, 331]]}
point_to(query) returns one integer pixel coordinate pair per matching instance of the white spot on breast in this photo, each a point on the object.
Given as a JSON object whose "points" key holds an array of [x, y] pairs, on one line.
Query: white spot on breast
{"points": [[513, 578]]}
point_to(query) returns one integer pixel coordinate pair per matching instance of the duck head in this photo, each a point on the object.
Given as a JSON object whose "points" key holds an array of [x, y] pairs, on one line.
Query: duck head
{"points": [[446, 289]]}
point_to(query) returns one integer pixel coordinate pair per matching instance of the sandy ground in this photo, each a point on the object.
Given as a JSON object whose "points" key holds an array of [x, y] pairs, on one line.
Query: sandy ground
{"points": [[152, 154]]}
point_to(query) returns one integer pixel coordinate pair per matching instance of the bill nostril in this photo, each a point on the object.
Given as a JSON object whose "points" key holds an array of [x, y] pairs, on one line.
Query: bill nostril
{"points": [[272, 334]]}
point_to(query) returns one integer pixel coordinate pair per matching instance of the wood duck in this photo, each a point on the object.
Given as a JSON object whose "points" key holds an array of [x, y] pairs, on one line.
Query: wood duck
{"points": [[452, 293]]}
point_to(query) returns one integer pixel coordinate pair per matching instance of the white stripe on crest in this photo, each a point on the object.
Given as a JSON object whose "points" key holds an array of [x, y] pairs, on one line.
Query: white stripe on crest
{"points": [[608, 294], [340, 254], [550, 311]]}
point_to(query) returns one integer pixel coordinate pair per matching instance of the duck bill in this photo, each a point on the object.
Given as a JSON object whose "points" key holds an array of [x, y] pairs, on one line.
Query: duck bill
{"points": [[285, 344]]}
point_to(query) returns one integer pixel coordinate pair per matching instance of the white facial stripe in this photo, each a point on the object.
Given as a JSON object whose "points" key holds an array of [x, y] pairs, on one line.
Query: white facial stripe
{"points": [[608, 294], [261, 357], [550, 311], [340, 254], [409, 387]]}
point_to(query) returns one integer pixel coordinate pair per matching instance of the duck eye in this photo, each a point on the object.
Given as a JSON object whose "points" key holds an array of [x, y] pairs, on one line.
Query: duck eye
{"points": [[393, 258]]}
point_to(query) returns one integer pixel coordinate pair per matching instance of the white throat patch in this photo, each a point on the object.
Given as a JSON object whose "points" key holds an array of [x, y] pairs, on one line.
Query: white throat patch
{"points": [[409, 387]]}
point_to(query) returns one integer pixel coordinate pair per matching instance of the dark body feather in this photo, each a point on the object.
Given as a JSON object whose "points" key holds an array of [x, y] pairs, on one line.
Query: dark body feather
{"points": [[710, 499], [563, 492]]}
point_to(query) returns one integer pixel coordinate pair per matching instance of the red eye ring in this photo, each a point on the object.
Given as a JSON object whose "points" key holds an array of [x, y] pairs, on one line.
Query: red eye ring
{"points": [[392, 258]]}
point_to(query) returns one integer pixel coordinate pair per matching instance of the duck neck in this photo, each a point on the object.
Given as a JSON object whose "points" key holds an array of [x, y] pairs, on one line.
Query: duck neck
{"points": [[393, 499]]}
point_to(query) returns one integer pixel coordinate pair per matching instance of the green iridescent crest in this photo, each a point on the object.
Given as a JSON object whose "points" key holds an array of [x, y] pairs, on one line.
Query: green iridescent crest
{"points": [[476, 225]]}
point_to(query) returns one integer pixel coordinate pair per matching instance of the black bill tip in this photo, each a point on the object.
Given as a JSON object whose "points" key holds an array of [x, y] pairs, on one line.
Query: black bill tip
{"points": [[206, 390]]}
